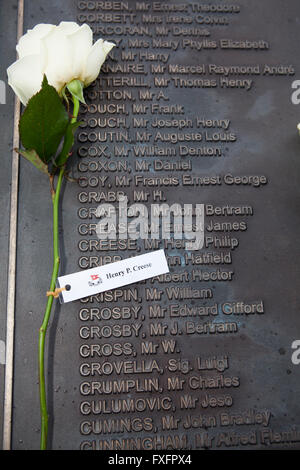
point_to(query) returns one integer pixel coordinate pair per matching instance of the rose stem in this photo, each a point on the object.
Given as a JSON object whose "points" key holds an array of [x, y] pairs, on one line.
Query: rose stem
{"points": [[43, 329]]}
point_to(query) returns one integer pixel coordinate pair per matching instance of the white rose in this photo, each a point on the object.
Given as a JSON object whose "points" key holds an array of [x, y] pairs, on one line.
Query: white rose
{"points": [[64, 53]]}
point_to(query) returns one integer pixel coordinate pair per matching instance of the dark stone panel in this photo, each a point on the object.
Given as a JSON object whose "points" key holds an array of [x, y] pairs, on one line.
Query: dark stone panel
{"points": [[265, 262]]}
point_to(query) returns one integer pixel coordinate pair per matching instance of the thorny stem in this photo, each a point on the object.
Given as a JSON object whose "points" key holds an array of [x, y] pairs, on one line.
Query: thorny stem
{"points": [[55, 194]]}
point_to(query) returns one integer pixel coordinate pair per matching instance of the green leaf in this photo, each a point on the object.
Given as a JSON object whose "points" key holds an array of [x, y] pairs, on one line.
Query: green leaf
{"points": [[44, 122], [68, 144], [33, 157]]}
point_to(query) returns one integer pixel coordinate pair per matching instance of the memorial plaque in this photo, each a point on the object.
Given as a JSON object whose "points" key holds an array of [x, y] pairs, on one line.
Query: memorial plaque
{"points": [[197, 109]]}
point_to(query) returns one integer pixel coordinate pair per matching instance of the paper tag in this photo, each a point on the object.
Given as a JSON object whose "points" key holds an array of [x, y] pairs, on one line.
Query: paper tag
{"points": [[113, 275]]}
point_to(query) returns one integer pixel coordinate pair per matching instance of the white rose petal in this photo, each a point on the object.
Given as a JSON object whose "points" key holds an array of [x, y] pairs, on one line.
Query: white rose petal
{"points": [[25, 77], [107, 47], [58, 53], [29, 44], [80, 42], [68, 27], [95, 60]]}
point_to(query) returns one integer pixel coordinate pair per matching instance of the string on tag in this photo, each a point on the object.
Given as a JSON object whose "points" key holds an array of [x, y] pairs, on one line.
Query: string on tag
{"points": [[56, 292]]}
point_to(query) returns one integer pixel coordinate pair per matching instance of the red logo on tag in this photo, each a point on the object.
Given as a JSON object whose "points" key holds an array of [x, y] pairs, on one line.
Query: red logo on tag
{"points": [[95, 280]]}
